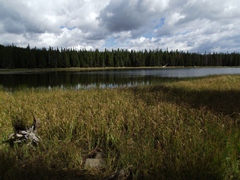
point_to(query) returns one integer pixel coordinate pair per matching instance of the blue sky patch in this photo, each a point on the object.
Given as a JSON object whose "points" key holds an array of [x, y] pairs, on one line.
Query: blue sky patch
{"points": [[160, 24], [110, 42], [69, 28]]}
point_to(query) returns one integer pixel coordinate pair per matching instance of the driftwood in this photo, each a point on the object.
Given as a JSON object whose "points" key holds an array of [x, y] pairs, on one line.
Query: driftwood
{"points": [[23, 135], [165, 65]]}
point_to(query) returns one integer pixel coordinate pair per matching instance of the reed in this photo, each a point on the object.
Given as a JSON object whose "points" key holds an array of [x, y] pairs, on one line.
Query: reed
{"points": [[187, 129]]}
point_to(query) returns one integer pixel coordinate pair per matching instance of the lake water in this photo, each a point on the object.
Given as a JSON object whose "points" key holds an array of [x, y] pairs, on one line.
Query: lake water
{"points": [[103, 78]]}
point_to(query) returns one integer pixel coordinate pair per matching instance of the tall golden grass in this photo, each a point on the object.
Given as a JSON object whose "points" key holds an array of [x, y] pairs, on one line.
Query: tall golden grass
{"points": [[188, 129]]}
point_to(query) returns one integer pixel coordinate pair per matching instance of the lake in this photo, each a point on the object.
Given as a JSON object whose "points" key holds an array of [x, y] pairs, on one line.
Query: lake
{"points": [[103, 78]]}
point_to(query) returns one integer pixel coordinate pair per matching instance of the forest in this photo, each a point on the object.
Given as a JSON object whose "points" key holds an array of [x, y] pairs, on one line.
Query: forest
{"points": [[12, 57]]}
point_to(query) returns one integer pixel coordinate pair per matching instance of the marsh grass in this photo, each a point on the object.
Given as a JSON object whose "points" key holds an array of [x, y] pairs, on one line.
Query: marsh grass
{"points": [[187, 129]]}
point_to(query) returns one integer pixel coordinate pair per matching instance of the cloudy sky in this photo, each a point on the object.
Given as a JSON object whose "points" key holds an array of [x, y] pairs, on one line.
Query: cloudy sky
{"points": [[186, 25]]}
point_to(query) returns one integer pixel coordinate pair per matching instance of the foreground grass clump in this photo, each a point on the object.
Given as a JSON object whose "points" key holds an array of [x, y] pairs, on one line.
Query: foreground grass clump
{"points": [[187, 129]]}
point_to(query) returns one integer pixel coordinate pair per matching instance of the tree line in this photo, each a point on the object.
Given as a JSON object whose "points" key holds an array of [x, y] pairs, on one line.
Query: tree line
{"points": [[17, 57]]}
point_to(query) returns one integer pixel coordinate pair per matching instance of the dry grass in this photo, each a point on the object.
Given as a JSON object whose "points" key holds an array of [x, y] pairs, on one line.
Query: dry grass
{"points": [[179, 130]]}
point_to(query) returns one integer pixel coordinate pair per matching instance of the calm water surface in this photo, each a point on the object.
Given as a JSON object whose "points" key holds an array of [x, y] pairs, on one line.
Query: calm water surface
{"points": [[103, 78]]}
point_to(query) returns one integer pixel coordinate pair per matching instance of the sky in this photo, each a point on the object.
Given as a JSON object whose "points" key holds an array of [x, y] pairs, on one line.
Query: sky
{"points": [[184, 25]]}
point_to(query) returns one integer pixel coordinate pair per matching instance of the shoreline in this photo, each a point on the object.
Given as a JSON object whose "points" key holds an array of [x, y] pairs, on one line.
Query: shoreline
{"points": [[24, 70]]}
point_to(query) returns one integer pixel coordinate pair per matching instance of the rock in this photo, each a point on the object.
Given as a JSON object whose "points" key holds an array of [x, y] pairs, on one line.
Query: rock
{"points": [[99, 155], [93, 163], [95, 159]]}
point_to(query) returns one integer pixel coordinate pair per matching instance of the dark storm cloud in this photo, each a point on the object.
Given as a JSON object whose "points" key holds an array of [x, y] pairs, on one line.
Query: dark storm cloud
{"points": [[17, 22], [129, 15], [120, 17]]}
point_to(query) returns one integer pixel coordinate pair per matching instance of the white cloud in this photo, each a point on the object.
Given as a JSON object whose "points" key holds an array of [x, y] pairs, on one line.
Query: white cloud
{"points": [[130, 24]]}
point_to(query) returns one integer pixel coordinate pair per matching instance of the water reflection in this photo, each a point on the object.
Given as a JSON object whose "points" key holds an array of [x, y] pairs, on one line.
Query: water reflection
{"points": [[72, 80], [111, 85], [103, 79]]}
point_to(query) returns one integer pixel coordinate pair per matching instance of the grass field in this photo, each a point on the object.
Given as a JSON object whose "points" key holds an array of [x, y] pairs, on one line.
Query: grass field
{"points": [[187, 129]]}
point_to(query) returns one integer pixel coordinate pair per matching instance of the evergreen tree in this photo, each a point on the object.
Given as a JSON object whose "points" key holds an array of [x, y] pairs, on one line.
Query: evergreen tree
{"points": [[74, 60], [16, 57]]}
